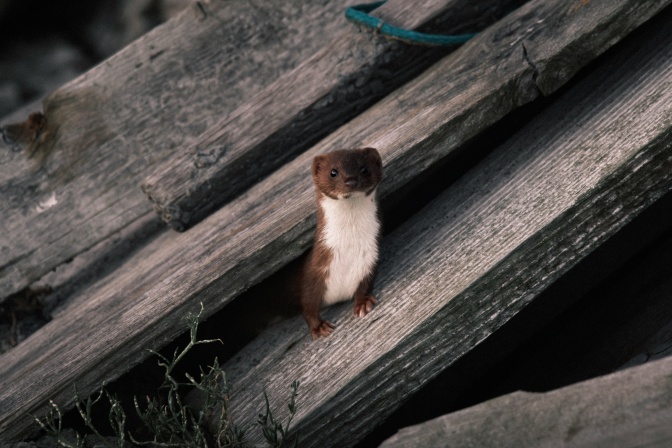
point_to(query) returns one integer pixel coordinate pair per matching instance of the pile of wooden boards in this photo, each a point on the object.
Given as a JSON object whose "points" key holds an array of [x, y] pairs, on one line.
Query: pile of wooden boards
{"points": [[450, 276]]}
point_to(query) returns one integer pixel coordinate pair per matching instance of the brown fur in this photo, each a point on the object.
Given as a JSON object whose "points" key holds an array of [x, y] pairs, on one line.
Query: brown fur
{"points": [[313, 277]]}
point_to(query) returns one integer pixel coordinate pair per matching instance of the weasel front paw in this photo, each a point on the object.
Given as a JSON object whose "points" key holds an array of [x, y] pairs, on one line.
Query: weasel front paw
{"points": [[364, 305], [324, 329]]}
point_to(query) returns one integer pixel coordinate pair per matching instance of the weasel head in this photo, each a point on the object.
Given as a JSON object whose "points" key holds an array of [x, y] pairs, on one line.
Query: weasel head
{"points": [[347, 173]]}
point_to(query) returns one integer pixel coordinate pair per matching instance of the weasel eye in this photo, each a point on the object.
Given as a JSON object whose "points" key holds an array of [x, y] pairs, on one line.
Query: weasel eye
{"points": [[364, 170], [334, 173]]}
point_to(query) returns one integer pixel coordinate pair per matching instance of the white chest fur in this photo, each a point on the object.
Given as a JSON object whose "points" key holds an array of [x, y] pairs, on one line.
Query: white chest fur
{"points": [[351, 232]]}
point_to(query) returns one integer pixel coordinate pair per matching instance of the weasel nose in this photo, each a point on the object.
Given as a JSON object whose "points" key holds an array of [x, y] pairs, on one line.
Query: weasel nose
{"points": [[351, 181]]}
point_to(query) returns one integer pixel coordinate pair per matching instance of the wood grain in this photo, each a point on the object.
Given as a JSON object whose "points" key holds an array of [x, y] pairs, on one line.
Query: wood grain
{"points": [[335, 84], [625, 409], [478, 254], [304, 105], [107, 127], [293, 113], [107, 328]]}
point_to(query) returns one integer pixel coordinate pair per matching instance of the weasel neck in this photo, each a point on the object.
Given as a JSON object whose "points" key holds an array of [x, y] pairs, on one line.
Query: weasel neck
{"points": [[350, 231]]}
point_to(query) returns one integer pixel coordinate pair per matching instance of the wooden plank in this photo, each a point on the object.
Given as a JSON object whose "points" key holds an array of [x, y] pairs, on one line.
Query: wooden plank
{"points": [[108, 126], [625, 409], [479, 253], [303, 106], [140, 305], [299, 109]]}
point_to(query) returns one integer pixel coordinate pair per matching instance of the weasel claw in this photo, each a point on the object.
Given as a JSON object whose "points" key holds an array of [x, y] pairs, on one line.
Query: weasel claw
{"points": [[323, 330], [364, 305]]}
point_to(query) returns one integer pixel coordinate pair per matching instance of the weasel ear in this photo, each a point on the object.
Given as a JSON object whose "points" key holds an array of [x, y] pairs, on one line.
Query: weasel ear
{"points": [[373, 154], [318, 162]]}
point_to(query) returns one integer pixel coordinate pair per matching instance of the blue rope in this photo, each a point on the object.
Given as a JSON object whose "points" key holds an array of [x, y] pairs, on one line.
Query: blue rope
{"points": [[360, 14]]}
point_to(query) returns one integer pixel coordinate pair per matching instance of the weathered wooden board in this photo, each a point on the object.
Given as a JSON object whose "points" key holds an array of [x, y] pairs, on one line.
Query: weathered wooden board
{"points": [[631, 408], [108, 126], [107, 327], [479, 253], [301, 107], [293, 113]]}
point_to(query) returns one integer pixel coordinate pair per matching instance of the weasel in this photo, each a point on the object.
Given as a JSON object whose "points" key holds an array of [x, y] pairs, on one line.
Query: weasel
{"points": [[342, 263]]}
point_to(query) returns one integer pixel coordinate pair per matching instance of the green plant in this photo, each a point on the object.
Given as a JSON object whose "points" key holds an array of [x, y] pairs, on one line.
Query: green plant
{"points": [[170, 422], [52, 425], [274, 431]]}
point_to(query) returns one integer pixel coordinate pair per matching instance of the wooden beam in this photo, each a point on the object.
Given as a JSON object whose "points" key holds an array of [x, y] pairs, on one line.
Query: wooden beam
{"points": [[335, 84], [105, 128], [632, 407], [479, 253], [107, 327], [296, 111]]}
